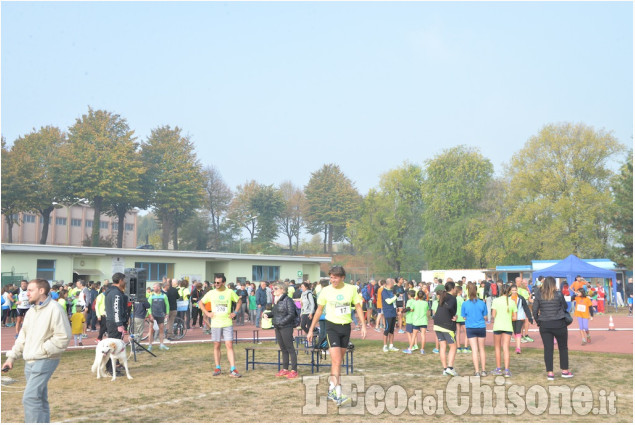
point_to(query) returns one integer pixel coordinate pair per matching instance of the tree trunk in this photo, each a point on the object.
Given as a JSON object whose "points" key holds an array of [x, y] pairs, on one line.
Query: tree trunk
{"points": [[46, 221], [331, 239], [325, 235], [121, 215], [9, 219], [165, 230], [175, 241], [96, 221]]}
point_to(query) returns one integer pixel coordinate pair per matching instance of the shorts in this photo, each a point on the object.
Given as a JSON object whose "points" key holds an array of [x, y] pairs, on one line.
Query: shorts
{"points": [[502, 332], [365, 306], [475, 332], [225, 333], [378, 310], [460, 323], [445, 336], [399, 304], [22, 311], [518, 326], [419, 327], [160, 319], [390, 325], [409, 328], [583, 324], [338, 335]]}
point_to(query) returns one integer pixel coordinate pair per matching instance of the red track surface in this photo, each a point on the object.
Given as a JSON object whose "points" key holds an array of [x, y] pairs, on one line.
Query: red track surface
{"points": [[620, 341]]}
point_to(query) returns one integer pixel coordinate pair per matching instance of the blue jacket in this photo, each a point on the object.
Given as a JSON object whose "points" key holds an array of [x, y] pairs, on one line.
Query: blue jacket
{"points": [[261, 297]]}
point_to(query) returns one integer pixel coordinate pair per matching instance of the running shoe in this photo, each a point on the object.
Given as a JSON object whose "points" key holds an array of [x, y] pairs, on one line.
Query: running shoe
{"points": [[292, 375], [459, 350], [407, 351], [550, 377], [497, 372], [332, 395], [450, 372], [588, 339], [518, 351], [584, 342], [507, 373], [401, 331], [524, 340], [150, 348], [342, 400], [423, 352], [385, 349], [234, 374], [281, 373], [80, 344], [483, 374], [567, 374], [393, 349], [163, 347], [377, 330], [477, 374], [216, 372], [512, 339], [529, 339], [415, 347], [435, 350]]}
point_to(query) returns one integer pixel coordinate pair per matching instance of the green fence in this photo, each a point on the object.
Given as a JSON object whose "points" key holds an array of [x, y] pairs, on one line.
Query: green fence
{"points": [[12, 277]]}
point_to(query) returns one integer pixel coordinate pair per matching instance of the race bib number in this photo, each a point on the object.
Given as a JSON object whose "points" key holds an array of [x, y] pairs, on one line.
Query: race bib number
{"points": [[24, 304], [567, 298], [343, 310], [581, 308], [220, 309], [400, 297]]}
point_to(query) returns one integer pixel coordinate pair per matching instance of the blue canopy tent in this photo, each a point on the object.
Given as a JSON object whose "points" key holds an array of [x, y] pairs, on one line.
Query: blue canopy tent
{"points": [[572, 266]]}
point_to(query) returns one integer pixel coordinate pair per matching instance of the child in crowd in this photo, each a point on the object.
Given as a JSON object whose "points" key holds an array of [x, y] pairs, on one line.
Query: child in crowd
{"points": [[593, 296], [445, 327], [584, 312], [433, 309], [63, 294], [420, 319], [412, 335], [77, 326], [599, 289], [253, 307], [460, 323], [474, 311], [504, 313], [522, 312]]}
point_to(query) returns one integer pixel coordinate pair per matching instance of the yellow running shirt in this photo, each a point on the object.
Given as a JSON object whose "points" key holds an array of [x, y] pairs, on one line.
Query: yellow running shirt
{"points": [[337, 303], [221, 302]]}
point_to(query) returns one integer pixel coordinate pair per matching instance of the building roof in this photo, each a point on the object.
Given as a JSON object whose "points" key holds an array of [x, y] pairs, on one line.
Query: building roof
{"points": [[150, 253]]}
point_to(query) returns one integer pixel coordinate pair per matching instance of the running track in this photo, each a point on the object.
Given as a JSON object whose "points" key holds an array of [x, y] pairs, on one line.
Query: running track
{"points": [[619, 341]]}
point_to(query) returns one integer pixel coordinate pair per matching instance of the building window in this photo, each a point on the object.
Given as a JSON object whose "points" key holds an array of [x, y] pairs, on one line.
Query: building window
{"points": [[46, 269], [60, 221], [15, 217], [103, 225], [266, 273], [76, 222], [128, 227], [115, 226], [156, 271], [29, 218], [89, 223]]}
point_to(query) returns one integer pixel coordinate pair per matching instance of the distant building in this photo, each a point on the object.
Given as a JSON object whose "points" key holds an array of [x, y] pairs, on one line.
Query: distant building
{"points": [[70, 226]]}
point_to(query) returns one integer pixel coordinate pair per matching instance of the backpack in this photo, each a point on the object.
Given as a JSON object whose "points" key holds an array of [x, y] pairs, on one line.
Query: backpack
{"points": [[365, 294], [493, 289]]}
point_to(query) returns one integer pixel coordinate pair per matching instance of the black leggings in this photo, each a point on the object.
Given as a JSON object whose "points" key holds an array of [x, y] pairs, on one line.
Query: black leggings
{"points": [[102, 327], [305, 323], [390, 325], [561, 335], [285, 340], [197, 312]]}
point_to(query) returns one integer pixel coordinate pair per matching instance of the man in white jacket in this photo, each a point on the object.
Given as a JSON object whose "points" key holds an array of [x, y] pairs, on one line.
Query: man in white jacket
{"points": [[43, 338]]}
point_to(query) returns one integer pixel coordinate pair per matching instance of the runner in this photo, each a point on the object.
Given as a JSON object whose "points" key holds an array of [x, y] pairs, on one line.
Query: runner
{"points": [[22, 306], [390, 314], [337, 298], [445, 327], [221, 300], [474, 310], [420, 319], [504, 313]]}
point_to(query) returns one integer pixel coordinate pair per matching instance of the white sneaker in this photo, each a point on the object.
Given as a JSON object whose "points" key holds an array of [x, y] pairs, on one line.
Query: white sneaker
{"points": [[385, 349], [393, 348], [163, 347]]}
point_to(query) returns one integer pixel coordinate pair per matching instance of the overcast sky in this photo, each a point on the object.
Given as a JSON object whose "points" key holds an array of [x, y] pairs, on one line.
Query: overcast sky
{"points": [[272, 91]]}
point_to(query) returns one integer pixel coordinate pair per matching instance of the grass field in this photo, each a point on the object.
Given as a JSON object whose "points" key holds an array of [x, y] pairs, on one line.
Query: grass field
{"points": [[177, 387]]}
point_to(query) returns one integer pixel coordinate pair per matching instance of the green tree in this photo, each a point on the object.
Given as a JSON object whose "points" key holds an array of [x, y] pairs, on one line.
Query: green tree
{"points": [[217, 199], [268, 204], [174, 179], [195, 233], [559, 199], [332, 201], [14, 186], [241, 211], [390, 222], [455, 184], [101, 161], [148, 231], [290, 219], [39, 173], [623, 210]]}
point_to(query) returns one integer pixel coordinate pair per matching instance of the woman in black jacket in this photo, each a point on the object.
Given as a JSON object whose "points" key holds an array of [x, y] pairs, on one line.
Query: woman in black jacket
{"points": [[549, 311], [284, 318]]}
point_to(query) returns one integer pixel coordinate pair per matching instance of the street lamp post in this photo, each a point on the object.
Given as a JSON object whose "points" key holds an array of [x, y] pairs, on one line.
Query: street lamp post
{"points": [[240, 224]]}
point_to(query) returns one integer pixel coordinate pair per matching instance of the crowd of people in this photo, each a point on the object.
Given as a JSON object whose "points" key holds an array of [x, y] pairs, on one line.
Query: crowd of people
{"points": [[330, 308]]}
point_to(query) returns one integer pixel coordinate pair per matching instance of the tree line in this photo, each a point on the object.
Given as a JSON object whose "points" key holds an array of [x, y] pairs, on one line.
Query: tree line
{"points": [[558, 195]]}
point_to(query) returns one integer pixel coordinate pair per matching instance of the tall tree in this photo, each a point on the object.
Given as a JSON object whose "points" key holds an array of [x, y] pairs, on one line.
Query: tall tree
{"points": [[175, 178], [36, 156], [390, 223], [195, 233], [241, 210], [455, 183], [623, 210], [268, 204], [290, 220], [559, 198], [101, 160], [332, 201], [217, 199], [14, 185]]}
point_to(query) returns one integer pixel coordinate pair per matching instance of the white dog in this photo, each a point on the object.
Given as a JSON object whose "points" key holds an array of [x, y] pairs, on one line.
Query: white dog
{"points": [[113, 348]]}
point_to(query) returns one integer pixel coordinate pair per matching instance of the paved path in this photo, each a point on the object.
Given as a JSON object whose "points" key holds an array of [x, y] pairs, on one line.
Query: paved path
{"points": [[619, 341]]}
